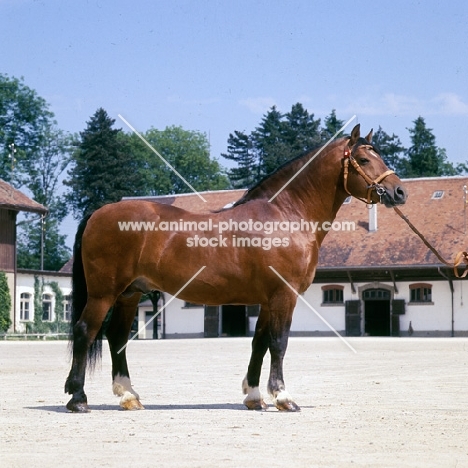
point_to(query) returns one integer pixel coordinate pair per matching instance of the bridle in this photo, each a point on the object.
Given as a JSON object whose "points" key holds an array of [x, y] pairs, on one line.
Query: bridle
{"points": [[371, 184]]}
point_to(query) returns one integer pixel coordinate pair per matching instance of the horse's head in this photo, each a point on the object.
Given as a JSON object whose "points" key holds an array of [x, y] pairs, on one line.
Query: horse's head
{"points": [[365, 174]]}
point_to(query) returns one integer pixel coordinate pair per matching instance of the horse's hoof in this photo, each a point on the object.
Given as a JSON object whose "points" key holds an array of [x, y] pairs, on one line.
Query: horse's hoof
{"points": [[132, 405], [77, 406], [288, 406], [256, 405]]}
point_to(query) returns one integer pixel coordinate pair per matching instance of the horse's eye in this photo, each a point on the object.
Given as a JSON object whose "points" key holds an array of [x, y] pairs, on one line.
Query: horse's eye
{"points": [[363, 161]]}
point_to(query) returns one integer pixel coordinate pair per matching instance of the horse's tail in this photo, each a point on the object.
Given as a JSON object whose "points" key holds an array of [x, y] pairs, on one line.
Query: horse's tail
{"points": [[80, 295]]}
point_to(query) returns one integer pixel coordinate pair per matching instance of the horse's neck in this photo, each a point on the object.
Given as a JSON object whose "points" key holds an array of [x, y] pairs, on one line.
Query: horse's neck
{"points": [[317, 192]]}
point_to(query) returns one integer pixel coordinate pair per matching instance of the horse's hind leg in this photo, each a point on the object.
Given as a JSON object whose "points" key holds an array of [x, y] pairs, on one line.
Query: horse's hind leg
{"points": [[117, 333], [250, 385], [84, 334]]}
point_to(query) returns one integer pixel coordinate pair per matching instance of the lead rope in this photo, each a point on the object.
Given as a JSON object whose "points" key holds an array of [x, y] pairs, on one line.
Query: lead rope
{"points": [[461, 257]]}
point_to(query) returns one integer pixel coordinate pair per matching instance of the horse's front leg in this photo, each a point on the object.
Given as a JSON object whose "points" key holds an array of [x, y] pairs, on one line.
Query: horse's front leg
{"points": [[281, 311], [250, 385]]}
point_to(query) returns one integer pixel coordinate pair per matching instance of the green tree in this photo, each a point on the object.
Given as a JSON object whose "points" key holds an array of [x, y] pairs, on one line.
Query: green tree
{"points": [[102, 171], [391, 148], [302, 131], [331, 125], [240, 149], [270, 142], [23, 117], [5, 303], [44, 179], [188, 152], [423, 158], [278, 139]]}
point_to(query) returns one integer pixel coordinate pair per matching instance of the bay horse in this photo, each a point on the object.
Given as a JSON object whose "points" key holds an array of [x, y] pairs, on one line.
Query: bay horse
{"points": [[113, 267]]}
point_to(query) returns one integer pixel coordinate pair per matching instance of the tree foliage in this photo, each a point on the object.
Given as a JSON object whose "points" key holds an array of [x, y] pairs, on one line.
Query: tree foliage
{"points": [[188, 152], [278, 138], [102, 171], [391, 148], [23, 117], [5, 303], [423, 158], [37, 238]]}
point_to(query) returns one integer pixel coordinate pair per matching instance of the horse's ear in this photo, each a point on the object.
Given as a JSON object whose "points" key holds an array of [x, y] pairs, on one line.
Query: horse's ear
{"points": [[369, 137], [355, 134]]}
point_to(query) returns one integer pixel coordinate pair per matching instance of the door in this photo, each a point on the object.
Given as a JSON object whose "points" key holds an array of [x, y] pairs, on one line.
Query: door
{"points": [[377, 317], [353, 318], [234, 320], [211, 321]]}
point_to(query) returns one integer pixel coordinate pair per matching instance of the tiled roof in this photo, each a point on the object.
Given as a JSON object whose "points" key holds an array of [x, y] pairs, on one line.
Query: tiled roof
{"points": [[67, 268], [441, 221], [13, 199]]}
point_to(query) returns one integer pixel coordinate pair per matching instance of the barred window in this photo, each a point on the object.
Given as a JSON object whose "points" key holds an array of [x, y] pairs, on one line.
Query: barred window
{"points": [[332, 294], [420, 292]]}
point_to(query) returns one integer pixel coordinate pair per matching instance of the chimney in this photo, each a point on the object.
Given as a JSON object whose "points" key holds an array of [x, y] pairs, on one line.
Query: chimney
{"points": [[373, 218]]}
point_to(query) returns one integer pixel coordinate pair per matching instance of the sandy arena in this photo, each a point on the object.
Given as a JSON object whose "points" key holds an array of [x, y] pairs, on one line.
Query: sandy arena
{"points": [[397, 402]]}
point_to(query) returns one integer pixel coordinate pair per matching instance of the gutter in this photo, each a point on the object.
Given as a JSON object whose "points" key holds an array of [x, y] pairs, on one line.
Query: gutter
{"points": [[452, 292]]}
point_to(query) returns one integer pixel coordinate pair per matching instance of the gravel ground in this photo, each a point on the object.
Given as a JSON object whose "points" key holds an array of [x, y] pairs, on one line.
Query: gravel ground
{"points": [[397, 402]]}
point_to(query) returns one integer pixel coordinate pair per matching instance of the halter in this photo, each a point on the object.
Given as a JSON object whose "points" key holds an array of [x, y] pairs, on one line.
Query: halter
{"points": [[371, 184]]}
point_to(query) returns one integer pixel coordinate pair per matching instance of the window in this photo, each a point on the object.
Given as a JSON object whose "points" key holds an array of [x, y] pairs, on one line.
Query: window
{"points": [[67, 308], [347, 200], [332, 294], [376, 294], [437, 195], [46, 307], [420, 292], [25, 306]]}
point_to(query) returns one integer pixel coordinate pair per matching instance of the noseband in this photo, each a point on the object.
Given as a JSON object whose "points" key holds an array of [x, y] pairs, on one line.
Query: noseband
{"points": [[371, 184]]}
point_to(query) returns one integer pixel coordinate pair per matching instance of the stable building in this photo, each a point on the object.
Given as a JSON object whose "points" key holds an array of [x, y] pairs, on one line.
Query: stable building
{"points": [[12, 202], [375, 277]]}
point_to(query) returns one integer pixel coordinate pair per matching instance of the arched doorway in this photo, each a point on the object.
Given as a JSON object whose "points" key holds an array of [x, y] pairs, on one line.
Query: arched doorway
{"points": [[377, 317]]}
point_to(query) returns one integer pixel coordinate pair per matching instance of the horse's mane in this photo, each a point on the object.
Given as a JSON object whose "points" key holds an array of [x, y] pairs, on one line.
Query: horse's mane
{"points": [[303, 157]]}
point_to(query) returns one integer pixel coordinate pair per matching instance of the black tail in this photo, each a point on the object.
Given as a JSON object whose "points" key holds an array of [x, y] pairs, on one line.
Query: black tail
{"points": [[80, 295]]}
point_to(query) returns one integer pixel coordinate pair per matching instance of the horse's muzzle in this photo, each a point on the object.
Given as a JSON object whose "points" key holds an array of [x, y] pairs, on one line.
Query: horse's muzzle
{"points": [[394, 196]]}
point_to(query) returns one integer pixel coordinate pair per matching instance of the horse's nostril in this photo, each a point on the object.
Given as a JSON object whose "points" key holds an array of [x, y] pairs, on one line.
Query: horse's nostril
{"points": [[400, 193]]}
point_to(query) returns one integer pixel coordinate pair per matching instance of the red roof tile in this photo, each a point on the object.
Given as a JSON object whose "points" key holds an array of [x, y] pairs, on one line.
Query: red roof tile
{"points": [[441, 221], [13, 199]]}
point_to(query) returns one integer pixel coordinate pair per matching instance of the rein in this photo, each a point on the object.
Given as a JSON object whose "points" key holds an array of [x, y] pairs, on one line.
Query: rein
{"points": [[461, 257]]}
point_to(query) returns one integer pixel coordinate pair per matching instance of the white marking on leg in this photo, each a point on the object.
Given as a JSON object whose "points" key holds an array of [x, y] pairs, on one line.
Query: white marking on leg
{"points": [[122, 387], [253, 395], [282, 397]]}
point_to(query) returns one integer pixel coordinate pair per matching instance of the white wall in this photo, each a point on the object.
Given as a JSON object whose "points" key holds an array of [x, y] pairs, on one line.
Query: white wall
{"points": [[25, 284], [183, 321], [431, 318]]}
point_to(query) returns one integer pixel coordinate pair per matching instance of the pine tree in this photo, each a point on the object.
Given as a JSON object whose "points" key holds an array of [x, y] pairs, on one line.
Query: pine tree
{"points": [[302, 131], [423, 157], [270, 142], [240, 149], [331, 125], [390, 148], [103, 171]]}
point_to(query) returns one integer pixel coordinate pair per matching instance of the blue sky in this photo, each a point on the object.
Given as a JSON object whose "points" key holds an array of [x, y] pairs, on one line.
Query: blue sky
{"points": [[217, 66]]}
